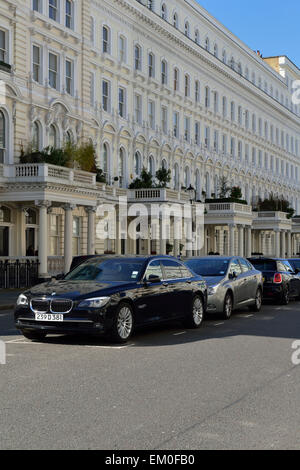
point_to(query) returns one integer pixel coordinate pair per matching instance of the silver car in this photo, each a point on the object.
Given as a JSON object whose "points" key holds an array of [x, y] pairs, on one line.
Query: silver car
{"points": [[232, 283]]}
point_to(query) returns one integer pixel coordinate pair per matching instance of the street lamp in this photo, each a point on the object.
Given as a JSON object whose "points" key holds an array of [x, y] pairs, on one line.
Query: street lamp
{"points": [[192, 193]]}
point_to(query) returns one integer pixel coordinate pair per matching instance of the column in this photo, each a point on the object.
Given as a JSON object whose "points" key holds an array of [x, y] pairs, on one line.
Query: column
{"points": [[231, 240], [289, 244], [262, 242], [68, 238], [43, 238], [91, 211], [248, 242], [277, 243], [241, 240], [283, 244], [162, 237]]}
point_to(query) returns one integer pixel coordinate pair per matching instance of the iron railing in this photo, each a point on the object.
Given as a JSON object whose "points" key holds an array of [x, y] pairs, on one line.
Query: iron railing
{"points": [[18, 274]]}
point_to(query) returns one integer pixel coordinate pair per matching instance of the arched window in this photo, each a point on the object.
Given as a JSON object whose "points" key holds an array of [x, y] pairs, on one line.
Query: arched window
{"points": [[36, 136], [53, 141], [122, 176], [197, 37], [176, 79], [198, 185], [175, 20], [151, 65], [164, 72], [187, 29], [164, 164], [207, 44], [216, 53], [69, 137], [106, 39], [176, 176], [164, 11], [186, 85], [224, 57], [137, 163], [105, 162], [187, 177], [2, 137], [137, 57], [152, 166]]}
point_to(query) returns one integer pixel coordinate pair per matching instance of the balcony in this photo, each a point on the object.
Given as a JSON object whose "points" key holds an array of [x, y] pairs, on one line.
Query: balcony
{"points": [[224, 213], [45, 173], [157, 195], [272, 220]]}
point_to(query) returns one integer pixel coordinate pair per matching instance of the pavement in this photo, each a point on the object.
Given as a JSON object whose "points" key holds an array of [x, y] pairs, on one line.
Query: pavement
{"points": [[8, 298], [229, 385]]}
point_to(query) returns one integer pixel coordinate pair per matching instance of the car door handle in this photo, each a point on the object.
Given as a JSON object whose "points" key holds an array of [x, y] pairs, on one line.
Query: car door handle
{"points": [[189, 281], [165, 284]]}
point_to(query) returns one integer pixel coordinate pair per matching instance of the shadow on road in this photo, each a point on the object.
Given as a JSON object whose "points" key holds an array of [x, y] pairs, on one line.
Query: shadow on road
{"points": [[271, 322]]}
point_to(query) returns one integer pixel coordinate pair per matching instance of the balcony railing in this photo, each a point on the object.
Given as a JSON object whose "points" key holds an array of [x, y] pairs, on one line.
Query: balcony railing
{"points": [[43, 172], [277, 215], [158, 195], [228, 207]]}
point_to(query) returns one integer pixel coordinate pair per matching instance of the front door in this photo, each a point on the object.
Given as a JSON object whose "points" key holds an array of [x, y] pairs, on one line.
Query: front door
{"points": [[4, 241]]}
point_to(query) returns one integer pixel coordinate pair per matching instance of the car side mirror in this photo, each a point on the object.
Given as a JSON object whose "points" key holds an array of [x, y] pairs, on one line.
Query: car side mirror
{"points": [[233, 275], [153, 279], [297, 270], [59, 277]]}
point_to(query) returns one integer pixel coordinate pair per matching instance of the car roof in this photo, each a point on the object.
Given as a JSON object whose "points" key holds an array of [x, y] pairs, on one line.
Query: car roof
{"points": [[211, 257], [130, 257]]}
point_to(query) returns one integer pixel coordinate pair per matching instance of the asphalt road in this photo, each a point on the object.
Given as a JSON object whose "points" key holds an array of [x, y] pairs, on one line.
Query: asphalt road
{"points": [[227, 386]]}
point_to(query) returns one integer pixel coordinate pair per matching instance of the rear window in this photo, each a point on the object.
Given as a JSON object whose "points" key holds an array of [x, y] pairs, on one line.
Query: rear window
{"points": [[264, 265]]}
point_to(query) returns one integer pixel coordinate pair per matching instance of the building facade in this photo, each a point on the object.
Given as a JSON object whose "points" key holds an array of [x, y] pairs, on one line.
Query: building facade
{"points": [[152, 84]]}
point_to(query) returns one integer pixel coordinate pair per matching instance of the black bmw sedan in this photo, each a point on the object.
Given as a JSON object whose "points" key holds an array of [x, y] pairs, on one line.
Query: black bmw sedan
{"points": [[112, 295]]}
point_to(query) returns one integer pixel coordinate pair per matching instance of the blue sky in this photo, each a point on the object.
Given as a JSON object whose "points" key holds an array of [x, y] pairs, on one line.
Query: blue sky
{"points": [[271, 26]]}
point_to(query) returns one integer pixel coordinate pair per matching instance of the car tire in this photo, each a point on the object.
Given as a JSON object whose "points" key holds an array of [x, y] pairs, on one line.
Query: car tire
{"points": [[256, 307], [123, 323], [34, 335], [285, 299], [228, 306], [195, 316]]}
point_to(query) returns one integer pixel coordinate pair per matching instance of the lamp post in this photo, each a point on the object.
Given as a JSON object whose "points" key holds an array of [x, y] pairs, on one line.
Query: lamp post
{"points": [[192, 196]]}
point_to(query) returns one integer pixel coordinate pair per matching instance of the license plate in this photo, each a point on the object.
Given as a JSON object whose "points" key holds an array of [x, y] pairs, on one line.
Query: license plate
{"points": [[48, 317]]}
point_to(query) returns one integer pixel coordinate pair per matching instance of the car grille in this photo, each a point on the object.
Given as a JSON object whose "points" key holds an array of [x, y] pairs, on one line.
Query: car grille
{"points": [[51, 305], [61, 306], [40, 305]]}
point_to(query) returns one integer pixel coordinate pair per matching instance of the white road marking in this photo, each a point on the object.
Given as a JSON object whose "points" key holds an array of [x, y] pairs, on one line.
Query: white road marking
{"points": [[15, 341], [219, 324], [22, 341], [181, 333]]}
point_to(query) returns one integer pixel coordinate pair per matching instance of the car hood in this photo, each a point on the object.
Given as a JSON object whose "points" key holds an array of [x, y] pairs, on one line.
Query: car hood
{"points": [[77, 289], [212, 281]]}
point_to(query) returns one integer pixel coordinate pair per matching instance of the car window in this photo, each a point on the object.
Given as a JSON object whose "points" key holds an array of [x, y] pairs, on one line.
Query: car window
{"points": [[235, 267], [154, 269], [288, 266], [111, 270], [244, 265], [172, 269], [281, 266], [295, 263], [185, 272], [264, 264], [209, 267]]}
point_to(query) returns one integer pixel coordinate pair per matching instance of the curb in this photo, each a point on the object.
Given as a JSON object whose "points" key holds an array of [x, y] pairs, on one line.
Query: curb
{"points": [[6, 307]]}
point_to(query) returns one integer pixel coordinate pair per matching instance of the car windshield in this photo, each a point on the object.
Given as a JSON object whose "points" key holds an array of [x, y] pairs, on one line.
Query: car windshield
{"points": [[295, 263], [209, 267], [111, 270], [264, 264]]}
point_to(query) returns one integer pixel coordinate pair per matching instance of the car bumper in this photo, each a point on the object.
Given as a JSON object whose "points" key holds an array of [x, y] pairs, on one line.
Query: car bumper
{"points": [[215, 303], [273, 291], [83, 322]]}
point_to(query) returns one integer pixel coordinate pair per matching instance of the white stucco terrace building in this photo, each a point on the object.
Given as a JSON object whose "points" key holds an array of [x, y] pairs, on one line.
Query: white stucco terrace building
{"points": [[152, 84]]}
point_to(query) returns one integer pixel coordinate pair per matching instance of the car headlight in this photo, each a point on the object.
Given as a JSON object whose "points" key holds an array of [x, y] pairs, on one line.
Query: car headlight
{"points": [[212, 290], [22, 300], [96, 302]]}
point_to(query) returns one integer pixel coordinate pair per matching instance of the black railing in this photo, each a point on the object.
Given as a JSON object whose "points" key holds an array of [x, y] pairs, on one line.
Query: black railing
{"points": [[18, 274]]}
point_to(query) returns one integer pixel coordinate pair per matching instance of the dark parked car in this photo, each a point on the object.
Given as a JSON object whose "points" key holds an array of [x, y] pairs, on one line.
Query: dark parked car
{"points": [[113, 295], [281, 282], [232, 283], [77, 260]]}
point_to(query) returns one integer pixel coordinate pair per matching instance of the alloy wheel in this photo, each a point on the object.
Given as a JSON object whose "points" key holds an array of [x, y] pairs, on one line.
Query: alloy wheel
{"points": [[124, 323], [198, 313]]}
